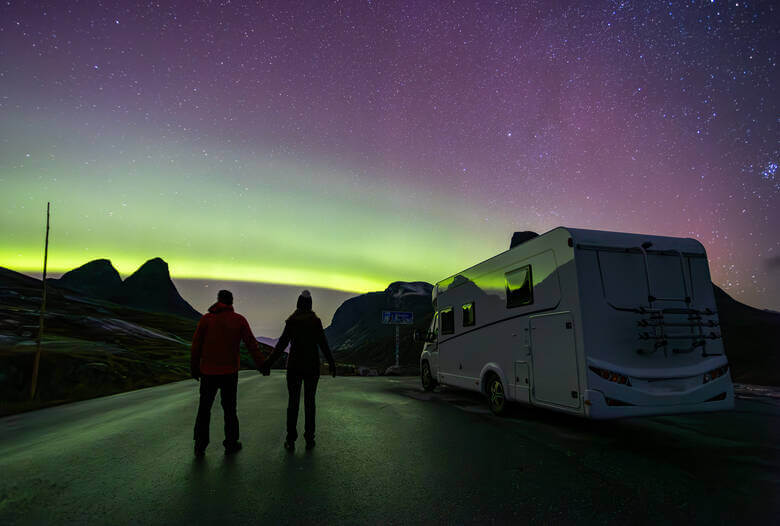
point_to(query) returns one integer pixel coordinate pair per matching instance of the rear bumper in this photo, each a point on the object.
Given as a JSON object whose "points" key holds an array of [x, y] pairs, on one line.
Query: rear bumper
{"points": [[714, 396]]}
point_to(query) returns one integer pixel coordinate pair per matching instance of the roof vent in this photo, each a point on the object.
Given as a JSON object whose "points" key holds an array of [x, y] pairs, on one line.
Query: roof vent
{"points": [[521, 237]]}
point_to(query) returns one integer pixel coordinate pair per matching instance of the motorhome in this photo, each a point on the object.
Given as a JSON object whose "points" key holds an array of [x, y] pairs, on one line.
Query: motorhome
{"points": [[592, 323]]}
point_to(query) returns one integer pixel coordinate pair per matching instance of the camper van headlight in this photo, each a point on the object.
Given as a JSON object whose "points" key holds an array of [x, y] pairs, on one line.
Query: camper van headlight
{"points": [[611, 376], [716, 373]]}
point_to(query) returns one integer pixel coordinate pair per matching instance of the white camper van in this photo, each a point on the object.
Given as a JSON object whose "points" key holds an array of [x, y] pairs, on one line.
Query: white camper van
{"points": [[596, 324]]}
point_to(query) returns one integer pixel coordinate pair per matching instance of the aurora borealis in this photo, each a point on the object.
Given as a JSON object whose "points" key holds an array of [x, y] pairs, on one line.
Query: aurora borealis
{"points": [[345, 145]]}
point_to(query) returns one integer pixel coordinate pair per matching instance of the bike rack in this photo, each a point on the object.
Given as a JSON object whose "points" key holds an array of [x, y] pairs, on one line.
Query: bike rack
{"points": [[658, 322], [655, 321]]}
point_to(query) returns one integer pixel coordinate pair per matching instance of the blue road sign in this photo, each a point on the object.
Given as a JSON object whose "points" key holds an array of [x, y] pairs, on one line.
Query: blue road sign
{"points": [[394, 317]]}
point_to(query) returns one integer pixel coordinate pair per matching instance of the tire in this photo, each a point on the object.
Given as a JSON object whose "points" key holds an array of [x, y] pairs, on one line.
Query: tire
{"points": [[428, 383], [496, 395]]}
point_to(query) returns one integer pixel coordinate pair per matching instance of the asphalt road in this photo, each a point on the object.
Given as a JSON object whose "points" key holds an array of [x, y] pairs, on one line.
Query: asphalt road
{"points": [[386, 453]]}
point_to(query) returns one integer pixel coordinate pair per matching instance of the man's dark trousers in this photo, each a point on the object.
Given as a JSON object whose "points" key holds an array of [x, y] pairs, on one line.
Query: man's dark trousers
{"points": [[294, 380], [227, 384]]}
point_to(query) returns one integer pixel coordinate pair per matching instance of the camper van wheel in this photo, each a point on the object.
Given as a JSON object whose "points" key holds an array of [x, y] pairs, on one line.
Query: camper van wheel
{"points": [[495, 394], [428, 382]]}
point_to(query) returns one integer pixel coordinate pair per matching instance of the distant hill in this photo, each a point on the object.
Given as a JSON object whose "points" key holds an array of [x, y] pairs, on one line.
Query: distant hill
{"points": [[357, 335], [148, 288], [271, 342], [752, 340]]}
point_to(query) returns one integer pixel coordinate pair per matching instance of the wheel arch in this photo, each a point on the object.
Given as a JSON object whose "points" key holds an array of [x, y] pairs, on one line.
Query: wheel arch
{"points": [[425, 356], [488, 369]]}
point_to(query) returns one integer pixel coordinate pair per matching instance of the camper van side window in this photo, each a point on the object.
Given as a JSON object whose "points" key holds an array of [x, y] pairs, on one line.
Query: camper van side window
{"points": [[447, 321], [468, 314], [519, 288]]}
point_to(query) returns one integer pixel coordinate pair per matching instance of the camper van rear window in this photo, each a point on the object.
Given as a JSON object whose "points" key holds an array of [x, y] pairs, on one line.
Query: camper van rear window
{"points": [[447, 321], [468, 314], [519, 288]]}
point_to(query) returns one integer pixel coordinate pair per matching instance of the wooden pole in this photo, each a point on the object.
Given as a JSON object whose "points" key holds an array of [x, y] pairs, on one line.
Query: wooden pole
{"points": [[43, 310]]}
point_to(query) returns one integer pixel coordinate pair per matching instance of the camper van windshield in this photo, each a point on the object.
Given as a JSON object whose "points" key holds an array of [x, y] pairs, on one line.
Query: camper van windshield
{"points": [[433, 332]]}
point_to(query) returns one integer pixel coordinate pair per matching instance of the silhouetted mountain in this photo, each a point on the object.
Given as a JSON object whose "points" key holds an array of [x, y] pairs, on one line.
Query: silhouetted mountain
{"points": [[751, 338], [96, 279], [357, 335], [271, 342], [13, 281], [150, 288]]}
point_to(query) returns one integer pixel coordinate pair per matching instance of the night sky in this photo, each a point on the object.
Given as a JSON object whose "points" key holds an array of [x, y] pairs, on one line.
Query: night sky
{"points": [[346, 145]]}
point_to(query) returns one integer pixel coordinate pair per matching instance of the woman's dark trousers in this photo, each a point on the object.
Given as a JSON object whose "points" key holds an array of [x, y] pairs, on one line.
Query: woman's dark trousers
{"points": [[227, 384], [294, 381]]}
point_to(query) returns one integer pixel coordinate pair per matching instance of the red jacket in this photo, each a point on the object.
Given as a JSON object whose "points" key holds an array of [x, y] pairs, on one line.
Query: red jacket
{"points": [[216, 341]]}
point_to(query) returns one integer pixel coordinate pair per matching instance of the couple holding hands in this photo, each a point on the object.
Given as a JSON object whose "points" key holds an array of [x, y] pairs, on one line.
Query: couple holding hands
{"points": [[215, 362]]}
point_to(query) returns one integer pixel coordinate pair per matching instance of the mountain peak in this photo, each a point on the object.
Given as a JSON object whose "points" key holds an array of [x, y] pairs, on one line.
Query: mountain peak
{"points": [[154, 265], [151, 288], [357, 322], [97, 278], [399, 289]]}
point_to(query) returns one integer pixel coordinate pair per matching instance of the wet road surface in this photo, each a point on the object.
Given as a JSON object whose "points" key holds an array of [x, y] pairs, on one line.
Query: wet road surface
{"points": [[387, 453]]}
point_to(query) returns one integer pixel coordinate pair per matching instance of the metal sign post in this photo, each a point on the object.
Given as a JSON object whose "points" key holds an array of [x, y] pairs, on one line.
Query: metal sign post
{"points": [[397, 318], [397, 343], [37, 361]]}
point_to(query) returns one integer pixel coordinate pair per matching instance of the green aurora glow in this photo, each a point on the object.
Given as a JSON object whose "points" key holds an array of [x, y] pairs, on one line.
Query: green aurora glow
{"points": [[241, 216]]}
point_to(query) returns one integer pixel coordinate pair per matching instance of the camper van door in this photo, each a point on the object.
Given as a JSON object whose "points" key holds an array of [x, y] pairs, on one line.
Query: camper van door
{"points": [[555, 373]]}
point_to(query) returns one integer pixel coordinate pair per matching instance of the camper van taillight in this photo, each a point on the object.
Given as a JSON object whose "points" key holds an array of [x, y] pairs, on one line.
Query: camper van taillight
{"points": [[611, 376], [716, 373]]}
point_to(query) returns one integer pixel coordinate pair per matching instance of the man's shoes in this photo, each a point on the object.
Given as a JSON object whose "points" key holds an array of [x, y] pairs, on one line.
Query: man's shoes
{"points": [[200, 450], [310, 445], [289, 446], [233, 448]]}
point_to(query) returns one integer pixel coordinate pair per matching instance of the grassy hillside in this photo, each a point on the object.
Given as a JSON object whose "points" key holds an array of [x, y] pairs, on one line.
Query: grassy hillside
{"points": [[90, 347]]}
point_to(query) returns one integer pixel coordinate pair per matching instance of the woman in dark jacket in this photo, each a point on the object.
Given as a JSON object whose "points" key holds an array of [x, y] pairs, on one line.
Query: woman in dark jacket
{"points": [[303, 331]]}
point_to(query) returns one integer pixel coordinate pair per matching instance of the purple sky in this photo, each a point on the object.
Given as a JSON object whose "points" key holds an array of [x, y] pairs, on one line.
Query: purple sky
{"points": [[483, 117]]}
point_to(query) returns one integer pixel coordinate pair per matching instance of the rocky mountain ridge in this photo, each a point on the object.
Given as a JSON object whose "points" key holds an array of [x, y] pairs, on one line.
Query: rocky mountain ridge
{"points": [[148, 288], [356, 333]]}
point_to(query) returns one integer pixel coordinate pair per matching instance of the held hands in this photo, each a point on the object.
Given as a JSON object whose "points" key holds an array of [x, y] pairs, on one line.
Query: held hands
{"points": [[195, 373], [265, 366]]}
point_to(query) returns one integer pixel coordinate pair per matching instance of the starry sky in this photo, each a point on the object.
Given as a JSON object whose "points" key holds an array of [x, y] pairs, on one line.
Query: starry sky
{"points": [[345, 145]]}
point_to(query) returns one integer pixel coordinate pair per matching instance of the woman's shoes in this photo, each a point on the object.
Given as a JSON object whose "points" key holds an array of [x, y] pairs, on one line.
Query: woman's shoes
{"points": [[290, 446], [233, 448]]}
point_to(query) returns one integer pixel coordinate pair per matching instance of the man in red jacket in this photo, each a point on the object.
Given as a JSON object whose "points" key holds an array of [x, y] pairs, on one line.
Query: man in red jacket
{"points": [[215, 362]]}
